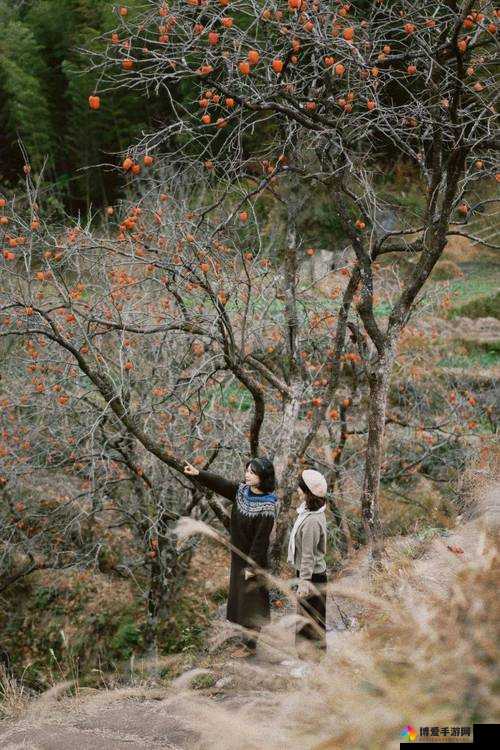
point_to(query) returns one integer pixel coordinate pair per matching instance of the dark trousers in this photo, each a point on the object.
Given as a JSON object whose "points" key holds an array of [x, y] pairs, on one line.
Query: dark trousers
{"points": [[248, 603], [313, 608]]}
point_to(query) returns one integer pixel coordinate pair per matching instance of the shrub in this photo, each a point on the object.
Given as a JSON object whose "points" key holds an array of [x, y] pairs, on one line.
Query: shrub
{"points": [[446, 269], [485, 306], [125, 639]]}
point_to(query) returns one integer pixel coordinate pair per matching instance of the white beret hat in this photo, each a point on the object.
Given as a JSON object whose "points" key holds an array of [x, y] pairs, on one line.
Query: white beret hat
{"points": [[315, 482]]}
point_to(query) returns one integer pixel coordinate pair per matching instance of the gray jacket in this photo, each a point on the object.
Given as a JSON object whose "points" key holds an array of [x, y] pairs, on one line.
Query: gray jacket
{"points": [[310, 546]]}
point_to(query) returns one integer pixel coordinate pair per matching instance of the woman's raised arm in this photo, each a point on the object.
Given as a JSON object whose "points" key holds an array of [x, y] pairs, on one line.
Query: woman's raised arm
{"points": [[214, 482]]}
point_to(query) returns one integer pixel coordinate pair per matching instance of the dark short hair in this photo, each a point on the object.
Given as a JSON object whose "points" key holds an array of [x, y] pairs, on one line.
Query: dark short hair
{"points": [[264, 469], [313, 502]]}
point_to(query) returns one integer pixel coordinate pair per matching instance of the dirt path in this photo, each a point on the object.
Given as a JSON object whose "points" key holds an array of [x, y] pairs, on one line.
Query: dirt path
{"points": [[132, 719], [162, 718], [121, 724]]}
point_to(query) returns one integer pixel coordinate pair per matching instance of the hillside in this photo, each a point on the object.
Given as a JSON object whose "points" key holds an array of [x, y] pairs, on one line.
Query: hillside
{"points": [[407, 657], [56, 624]]}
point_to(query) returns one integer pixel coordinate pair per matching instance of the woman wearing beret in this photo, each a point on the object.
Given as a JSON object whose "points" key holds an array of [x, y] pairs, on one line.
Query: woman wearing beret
{"points": [[306, 554]]}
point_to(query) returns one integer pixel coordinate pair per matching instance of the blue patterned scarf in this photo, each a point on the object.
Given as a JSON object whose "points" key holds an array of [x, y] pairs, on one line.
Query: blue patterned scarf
{"points": [[250, 504]]}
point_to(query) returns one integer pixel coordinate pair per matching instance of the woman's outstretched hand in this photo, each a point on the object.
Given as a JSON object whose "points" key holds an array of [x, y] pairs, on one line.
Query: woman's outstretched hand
{"points": [[191, 470]]}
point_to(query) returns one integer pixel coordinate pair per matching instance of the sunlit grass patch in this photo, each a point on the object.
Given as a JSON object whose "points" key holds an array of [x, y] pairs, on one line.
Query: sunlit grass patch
{"points": [[474, 358]]}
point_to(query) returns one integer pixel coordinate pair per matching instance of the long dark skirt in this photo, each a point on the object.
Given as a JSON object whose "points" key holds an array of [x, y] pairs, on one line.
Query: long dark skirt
{"points": [[313, 608], [248, 601]]}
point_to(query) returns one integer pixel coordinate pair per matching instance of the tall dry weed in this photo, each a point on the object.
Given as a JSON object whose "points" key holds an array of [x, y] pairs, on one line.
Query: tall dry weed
{"points": [[14, 698]]}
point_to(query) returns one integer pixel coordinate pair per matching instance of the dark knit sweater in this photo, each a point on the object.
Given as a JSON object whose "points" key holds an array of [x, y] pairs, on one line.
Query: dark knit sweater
{"points": [[252, 520], [252, 515]]}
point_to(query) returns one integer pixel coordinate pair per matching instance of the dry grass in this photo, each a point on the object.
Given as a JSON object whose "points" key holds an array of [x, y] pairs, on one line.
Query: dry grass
{"points": [[426, 655], [463, 250], [446, 269], [13, 696], [426, 662]]}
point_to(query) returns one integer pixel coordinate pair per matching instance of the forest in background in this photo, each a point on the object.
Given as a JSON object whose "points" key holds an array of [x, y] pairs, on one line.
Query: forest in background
{"points": [[45, 120], [45, 82]]}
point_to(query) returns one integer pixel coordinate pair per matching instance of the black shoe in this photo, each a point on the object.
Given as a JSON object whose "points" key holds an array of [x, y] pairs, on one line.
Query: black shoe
{"points": [[250, 644]]}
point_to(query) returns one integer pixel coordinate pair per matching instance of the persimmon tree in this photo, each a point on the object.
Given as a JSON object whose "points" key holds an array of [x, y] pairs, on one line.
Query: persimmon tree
{"points": [[299, 95], [146, 344], [223, 318], [126, 354], [190, 330], [192, 344], [74, 492]]}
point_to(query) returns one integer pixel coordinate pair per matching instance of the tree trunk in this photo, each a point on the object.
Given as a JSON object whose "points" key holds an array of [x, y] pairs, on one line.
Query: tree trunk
{"points": [[379, 378], [155, 596], [286, 468], [346, 546], [167, 574], [163, 564], [282, 524]]}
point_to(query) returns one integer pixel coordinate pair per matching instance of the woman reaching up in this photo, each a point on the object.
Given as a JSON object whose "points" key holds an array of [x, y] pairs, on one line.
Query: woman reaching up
{"points": [[252, 518]]}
